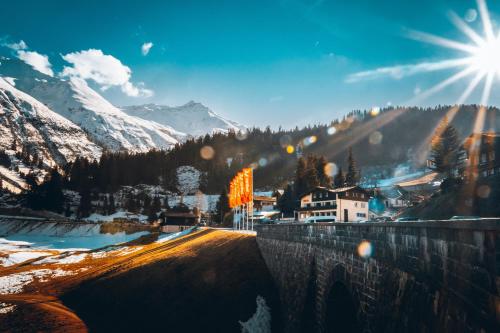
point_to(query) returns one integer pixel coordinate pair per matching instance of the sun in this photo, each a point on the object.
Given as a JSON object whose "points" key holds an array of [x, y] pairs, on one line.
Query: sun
{"points": [[481, 60], [486, 58]]}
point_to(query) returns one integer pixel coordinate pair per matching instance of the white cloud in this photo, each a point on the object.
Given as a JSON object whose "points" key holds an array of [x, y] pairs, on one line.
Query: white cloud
{"points": [[21, 45], [400, 71], [146, 47], [105, 70], [38, 61]]}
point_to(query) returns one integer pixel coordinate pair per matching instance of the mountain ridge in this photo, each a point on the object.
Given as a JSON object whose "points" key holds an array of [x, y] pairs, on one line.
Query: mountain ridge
{"points": [[192, 118]]}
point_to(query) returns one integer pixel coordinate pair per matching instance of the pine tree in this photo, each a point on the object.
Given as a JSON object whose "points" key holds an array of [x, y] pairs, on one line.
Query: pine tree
{"points": [[165, 203], [53, 196], [339, 179], [111, 207], [300, 177], [287, 203], [105, 205], [67, 210], [222, 206], [156, 205], [323, 178], [352, 175], [85, 206], [146, 203], [312, 178], [445, 151]]}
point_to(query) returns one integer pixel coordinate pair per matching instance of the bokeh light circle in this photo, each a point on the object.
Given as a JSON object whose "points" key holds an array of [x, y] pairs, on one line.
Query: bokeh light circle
{"points": [[331, 130], [331, 169], [375, 138], [207, 152], [365, 249]]}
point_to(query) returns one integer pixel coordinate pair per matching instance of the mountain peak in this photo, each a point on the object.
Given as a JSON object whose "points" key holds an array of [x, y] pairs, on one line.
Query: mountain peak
{"points": [[192, 118]]}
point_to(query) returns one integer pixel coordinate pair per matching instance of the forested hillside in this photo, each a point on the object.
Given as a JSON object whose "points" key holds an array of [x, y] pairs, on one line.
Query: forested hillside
{"points": [[385, 137]]}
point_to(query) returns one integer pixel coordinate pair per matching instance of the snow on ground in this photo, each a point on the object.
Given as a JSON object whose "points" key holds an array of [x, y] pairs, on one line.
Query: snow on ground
{"points": [[6, 308], [19, 257], [204, 202], [15, 252], [6, 244], [168, 237], [121, 214], [260, 321], [63, 259], [12, 181], [115, 251], [15, 283]]}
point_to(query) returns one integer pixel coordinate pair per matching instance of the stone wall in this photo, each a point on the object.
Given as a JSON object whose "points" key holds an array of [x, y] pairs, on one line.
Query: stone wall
{"points": [[434, 276]]}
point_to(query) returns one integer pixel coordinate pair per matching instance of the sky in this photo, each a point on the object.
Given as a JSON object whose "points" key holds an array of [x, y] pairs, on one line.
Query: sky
{"points": [[275, 62]]}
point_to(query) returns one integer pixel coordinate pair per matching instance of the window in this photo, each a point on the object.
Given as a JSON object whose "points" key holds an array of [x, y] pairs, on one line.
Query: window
{"points": [[318, 204], [361, 215], [363, 205], [355, 204]]}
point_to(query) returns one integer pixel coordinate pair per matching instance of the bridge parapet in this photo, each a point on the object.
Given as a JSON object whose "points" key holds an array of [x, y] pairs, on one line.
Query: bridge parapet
{"points": [[418, 276]]}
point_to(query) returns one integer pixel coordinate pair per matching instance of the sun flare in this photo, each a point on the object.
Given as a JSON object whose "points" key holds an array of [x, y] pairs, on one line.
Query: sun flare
{"points": [[481, 60]]}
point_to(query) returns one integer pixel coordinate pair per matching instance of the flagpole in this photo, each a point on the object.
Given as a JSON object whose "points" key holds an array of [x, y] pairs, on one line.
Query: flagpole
{"points": [[251, 201]]}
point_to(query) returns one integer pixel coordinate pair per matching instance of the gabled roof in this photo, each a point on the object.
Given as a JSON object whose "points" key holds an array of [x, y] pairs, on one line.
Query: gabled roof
{"points": [[332, 190]]}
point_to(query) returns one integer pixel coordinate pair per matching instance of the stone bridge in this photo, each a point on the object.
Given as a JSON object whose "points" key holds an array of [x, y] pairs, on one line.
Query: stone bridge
{"points": [[433, 276]]}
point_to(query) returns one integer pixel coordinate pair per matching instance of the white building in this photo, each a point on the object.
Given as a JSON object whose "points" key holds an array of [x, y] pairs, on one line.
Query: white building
{"points": [[347, 204]]}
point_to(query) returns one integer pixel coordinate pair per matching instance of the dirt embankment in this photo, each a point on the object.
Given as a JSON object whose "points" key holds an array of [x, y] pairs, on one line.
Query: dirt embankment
{"points": [[206, 284], [128, 228], [203, 282]]}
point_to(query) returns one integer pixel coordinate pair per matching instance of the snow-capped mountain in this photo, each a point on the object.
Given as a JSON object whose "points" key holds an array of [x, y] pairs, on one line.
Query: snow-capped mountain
{"points": [[192, 118], [73, 99], [29, 123]]}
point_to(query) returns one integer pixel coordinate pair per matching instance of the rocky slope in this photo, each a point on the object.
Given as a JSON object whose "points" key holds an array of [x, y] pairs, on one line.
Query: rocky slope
{"points": [[73, 99], [29, 123]]}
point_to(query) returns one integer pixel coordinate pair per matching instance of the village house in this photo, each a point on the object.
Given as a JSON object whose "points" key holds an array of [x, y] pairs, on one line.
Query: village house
{"points": [[347, 204], [263, 203], [487, 161], [179, 218]]}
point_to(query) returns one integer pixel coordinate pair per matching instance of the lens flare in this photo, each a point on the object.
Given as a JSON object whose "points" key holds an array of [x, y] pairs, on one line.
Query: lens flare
{"points": [[262, 162], [207, 152], [375, 138], [290, 149], [242, 135], [310, 140], [365, 249], [331, 169], [331, 130], [374, 111]]}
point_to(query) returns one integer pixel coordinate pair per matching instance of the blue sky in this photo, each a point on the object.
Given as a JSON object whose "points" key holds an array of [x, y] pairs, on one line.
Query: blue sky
{"points": [[257, 62]]}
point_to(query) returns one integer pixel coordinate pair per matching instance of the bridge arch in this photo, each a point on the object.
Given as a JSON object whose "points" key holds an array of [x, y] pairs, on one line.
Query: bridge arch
{"points": [[308, 320], [427, 276], [341, 303]]}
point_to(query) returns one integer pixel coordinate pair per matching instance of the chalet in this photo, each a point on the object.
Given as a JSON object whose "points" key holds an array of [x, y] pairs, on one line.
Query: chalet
{"points": [[263, 203], [180, 215], [397, 197], [347, 204], [487, 161]]}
